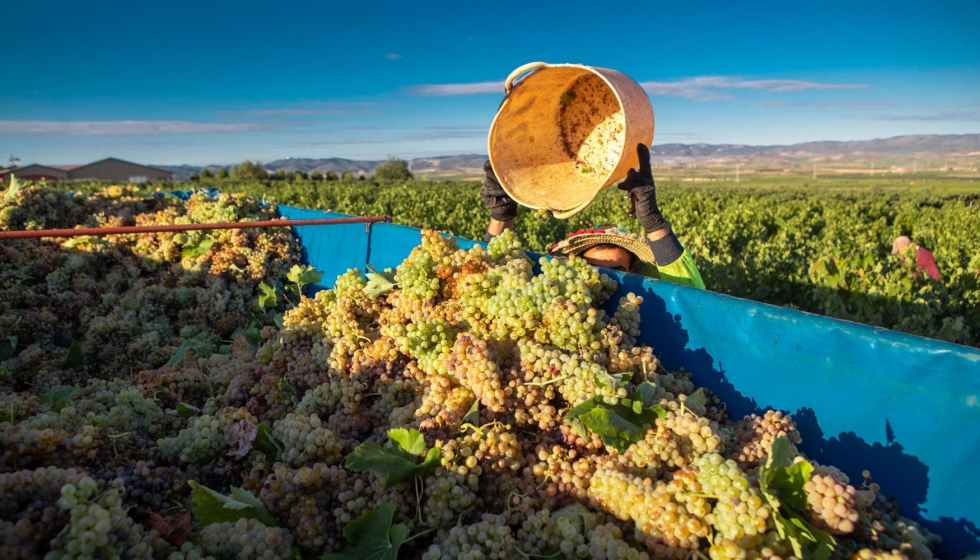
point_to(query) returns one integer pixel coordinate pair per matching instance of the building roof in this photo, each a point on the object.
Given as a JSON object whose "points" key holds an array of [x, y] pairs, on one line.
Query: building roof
{"points": [[82, 167], [32, 167]]}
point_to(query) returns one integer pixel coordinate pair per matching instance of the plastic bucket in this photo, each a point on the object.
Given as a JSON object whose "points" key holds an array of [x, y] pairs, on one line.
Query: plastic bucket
{"points": [[564, 132]]}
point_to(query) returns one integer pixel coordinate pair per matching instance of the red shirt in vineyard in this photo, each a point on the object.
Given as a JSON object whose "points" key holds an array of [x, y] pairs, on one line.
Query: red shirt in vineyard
{"points": [[923, 257]]}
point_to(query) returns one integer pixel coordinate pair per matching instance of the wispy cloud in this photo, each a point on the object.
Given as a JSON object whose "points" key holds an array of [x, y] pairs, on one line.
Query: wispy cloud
{"points": [[129, 128], [701, 88], [307, 109], [448, 132], [950, 116], [393, 56], [446, 90], [852, 103], [713, 88]]}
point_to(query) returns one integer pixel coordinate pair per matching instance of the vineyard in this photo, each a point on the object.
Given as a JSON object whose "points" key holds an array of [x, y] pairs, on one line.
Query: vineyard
{"points": [[176, 396], [825, 250]]}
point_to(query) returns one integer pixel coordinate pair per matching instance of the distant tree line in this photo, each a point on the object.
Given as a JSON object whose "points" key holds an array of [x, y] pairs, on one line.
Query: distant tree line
{"points": [[392, 170]]}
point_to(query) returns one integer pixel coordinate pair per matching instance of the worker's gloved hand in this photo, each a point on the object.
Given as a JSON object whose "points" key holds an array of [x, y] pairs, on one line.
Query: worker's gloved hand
{"points": [[502, 206], [643, 193]]}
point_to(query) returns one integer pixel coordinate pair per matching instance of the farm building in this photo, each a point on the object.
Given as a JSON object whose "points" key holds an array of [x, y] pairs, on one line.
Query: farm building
{"points": [[109, 169], [35, 172]]}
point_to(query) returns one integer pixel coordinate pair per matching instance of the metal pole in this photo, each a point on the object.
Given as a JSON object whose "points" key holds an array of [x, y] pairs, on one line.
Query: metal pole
{"points": [[79, 232]]}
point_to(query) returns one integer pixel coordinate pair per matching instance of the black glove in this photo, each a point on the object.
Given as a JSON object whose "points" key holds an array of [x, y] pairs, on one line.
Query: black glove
{"points": [[643, 193], [643, 204], [502, 206]]}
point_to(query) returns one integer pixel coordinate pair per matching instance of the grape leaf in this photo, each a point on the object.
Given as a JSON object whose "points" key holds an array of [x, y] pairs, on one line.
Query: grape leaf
{"points": [[302, 275], [698, 398], [7, 348], [372, 536], [240, 436], [268, 296], [616, 431], [578, 514], [583, 407], [647, 393], [186, 411], [174, 531], [397, 463], [473, 414], [809, 543], [777, 458], [789, 482], [266, 444], [379, 283], [75, 359], [409, 441], [277, 319], [82, 240], [15, 186], [211, 507], [58, 397], [189, 344], [197, 250]]}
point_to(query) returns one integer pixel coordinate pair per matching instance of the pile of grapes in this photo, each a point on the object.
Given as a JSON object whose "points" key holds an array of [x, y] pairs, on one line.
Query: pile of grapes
{"points": [[460, 406]]}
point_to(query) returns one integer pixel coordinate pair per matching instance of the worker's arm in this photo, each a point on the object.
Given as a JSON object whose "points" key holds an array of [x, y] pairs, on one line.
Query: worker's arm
{"points": [[502, 207], [674, 263]]}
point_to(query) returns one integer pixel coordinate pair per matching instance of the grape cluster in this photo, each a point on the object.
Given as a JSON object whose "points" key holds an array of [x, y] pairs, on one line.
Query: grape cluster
{"points": [[205, 438], [246, 539], [832, 503], [100, 526], [489, 538], [740, 513], [754, 436], [305, 439]]}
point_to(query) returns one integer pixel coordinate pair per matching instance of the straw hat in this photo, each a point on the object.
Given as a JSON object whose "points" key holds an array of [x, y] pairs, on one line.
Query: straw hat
{"points": [[584, 239]]}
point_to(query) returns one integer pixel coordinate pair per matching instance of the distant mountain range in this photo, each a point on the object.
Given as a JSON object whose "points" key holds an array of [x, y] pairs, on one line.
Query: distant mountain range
{"points": [[471, 165]]}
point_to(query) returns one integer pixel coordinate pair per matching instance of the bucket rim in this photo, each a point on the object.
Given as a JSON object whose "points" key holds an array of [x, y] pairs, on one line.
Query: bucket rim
{"points": [[513, 81]]}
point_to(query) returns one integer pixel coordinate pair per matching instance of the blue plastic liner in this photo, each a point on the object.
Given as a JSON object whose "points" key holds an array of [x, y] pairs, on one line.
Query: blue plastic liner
{"points": [[904, 407]]}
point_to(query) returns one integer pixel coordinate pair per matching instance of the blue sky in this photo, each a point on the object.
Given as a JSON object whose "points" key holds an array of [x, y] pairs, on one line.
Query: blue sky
{"points": [[217, 82]]}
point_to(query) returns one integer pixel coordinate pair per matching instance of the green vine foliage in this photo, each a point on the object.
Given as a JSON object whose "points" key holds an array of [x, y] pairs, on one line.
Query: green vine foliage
{"points": [[822, 250]]}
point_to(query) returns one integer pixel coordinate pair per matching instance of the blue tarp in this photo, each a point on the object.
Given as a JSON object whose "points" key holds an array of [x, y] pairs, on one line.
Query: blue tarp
{"points": [[904, 407]]}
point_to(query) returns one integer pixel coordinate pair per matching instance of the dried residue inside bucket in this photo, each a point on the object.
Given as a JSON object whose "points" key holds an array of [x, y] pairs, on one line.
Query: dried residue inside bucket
{"points": [[592, 125]]}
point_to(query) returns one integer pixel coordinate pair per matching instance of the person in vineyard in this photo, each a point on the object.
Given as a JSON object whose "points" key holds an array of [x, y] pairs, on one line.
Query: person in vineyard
{"points": [[658, 255], [923, 257]]}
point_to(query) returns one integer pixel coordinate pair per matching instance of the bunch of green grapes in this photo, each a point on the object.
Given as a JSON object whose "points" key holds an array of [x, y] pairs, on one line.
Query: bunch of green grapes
{"points": [[443, 405], [505, 247], [448, 493], [606, 542], [100, 526], [488, 538], [562, 473], [204, 439], [135, 413], [740, 512], [416, 276], [305, 439], [471, 363], [301, 499], [429, 343], [246, 539], [662, 523]]}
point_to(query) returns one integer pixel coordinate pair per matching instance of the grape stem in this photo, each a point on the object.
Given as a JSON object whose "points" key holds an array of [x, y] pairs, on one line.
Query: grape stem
{"points": [[549, 382]]}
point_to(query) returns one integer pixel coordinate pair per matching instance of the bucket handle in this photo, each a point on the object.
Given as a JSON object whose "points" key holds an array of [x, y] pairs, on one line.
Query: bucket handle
{"points": [[569, 213], [509, 83]]}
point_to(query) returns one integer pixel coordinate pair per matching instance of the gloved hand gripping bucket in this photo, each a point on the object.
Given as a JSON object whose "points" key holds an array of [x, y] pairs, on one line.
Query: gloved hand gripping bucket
{"points": [[564, 132]]}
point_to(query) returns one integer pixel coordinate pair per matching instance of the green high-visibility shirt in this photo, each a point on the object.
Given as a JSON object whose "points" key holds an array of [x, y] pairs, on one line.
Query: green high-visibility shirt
{"points": [[682, 271]]}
